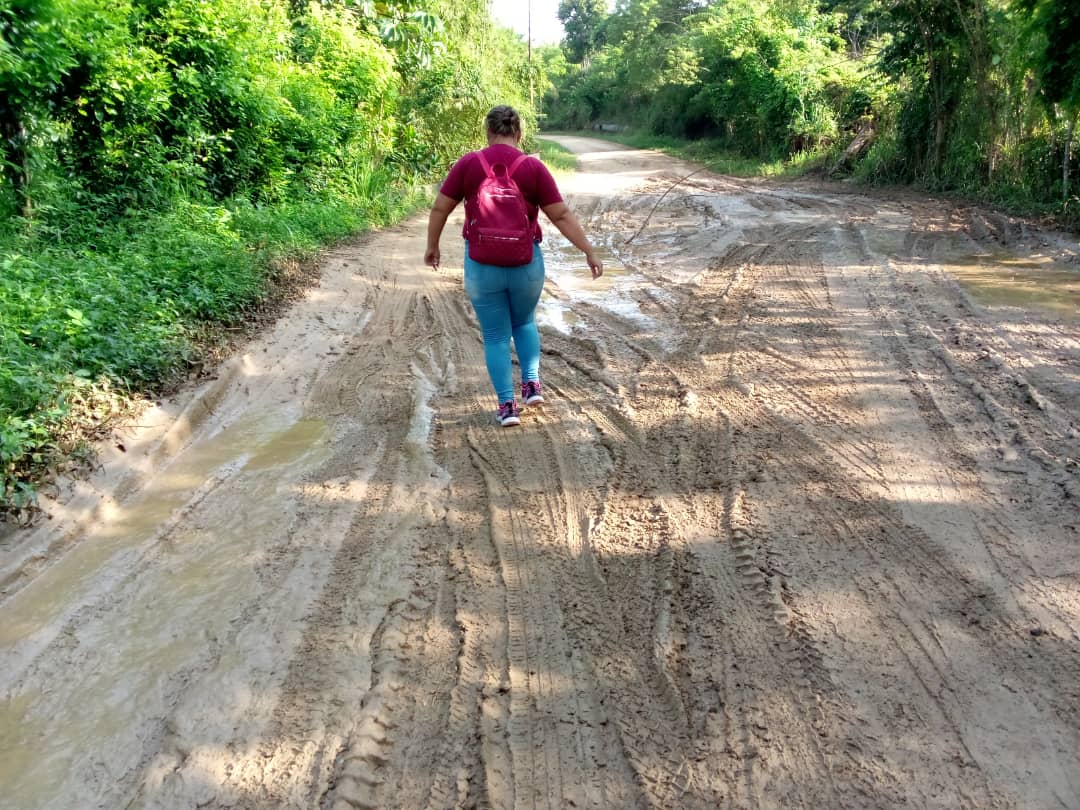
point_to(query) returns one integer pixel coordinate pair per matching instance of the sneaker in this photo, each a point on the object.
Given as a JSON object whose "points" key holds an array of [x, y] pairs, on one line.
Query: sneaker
{"points": [[530, 393], [508, 414]]}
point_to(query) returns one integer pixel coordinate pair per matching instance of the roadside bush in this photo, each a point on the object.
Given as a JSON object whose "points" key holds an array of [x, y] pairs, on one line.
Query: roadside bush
{"points": [[447, 103], [969, 96], [159, 158], [127, 311], [883, 162]]}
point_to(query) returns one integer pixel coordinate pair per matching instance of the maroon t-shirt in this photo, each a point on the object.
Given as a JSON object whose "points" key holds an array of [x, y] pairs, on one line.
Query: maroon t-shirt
{"points": [[532, 177]]}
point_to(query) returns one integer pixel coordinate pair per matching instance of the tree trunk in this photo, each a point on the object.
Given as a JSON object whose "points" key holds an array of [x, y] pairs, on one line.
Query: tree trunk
{"points": [[939, 144], [933, 81], [1068, 157], [972, 15], [17, 165]]}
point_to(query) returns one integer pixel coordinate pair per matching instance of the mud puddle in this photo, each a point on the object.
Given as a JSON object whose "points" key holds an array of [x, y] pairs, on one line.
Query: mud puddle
{"points": [[199, 572], [557, 313], [616, 291], [254, 445], [1002, 280]]}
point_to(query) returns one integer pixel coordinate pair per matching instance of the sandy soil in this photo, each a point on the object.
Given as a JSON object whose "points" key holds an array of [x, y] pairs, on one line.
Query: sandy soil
{"points": [[797, 527]]}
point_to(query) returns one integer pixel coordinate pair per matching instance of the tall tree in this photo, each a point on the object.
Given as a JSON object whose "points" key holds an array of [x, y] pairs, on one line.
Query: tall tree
{"points": [[1057, 65], [582, 21], [928, 49], [34, 56]]}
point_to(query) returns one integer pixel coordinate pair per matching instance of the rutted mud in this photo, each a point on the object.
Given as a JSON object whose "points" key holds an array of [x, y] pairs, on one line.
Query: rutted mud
{"points": [[799, 526]]}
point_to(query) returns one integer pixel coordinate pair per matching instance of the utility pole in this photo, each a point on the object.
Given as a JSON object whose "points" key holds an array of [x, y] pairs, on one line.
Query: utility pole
{"points": [[532, 100]]}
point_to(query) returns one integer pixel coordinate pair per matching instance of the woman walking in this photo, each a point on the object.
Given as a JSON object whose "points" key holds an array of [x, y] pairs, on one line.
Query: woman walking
{"points": [[504, 190]]}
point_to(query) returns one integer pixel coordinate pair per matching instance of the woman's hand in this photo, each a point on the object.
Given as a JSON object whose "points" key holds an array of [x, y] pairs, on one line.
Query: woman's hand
{"points": [[563, 218], [436, 221], [595, 265]]}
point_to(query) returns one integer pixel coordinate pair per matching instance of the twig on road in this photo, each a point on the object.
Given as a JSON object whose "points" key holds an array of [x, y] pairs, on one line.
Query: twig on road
{"points": [[668, 191]]}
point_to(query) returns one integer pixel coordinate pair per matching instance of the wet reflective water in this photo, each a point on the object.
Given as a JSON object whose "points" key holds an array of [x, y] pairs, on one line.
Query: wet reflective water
{"points": [[259, 443], [174, 609], [289, 445], [18, 754], [614, 291], [557, 314], [1001, 280]]}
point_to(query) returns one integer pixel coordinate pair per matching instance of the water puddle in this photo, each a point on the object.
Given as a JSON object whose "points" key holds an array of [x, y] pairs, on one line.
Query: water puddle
{"points": [[1002, 280], [614, 291], [288, 446], [18, 757], [175, 610], [887, 235], [258, 443], [556, 314], [418, 439]]}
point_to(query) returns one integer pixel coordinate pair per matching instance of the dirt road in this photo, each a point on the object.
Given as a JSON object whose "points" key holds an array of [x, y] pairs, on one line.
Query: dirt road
{"points": [[799, 526]]}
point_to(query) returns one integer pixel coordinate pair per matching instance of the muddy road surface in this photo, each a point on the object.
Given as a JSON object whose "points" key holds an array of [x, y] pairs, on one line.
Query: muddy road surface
{"points": [[796, 528]]}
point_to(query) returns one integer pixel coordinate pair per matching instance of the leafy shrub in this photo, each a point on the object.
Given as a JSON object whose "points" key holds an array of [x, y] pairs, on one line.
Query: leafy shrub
{"points": [[159, 158]]}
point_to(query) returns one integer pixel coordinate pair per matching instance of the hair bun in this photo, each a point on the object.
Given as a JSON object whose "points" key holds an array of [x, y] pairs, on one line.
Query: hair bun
{"points": [[503, 120]]}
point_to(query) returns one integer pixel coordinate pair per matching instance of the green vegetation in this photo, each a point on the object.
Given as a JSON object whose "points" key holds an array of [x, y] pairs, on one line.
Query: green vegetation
{"points": [[556, 158], [162, 162], [977, 97]]}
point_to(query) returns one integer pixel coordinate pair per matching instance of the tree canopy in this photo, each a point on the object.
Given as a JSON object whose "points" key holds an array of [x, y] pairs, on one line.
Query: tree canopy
{"points": [[159, 159], [980, 96]]}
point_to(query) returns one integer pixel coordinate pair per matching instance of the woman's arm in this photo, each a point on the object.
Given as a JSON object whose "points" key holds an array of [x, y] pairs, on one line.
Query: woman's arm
{"points": [[563, 218], [436, 222]]}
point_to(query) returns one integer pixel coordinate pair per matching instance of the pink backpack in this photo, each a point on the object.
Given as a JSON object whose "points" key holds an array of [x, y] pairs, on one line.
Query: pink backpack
{"points": [[500, 233]]}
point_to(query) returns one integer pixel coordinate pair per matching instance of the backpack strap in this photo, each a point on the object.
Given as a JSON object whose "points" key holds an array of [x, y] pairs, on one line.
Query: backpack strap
{"points": [[509, 170], [520, 159]]}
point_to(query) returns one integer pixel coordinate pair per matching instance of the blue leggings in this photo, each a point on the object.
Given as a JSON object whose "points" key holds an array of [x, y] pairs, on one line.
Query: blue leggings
{"points": [[505, 299]]}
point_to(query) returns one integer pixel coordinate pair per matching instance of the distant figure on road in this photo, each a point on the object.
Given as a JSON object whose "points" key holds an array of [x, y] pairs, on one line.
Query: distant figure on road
{"points": [[504, 190]]}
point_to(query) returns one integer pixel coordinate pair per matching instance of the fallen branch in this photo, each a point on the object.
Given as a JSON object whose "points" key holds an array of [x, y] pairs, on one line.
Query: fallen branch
{"points": [[668, 191]]}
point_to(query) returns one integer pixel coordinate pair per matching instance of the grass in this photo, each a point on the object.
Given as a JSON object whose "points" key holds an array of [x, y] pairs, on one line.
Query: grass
{"points": [[110, 311], [557, 158]]}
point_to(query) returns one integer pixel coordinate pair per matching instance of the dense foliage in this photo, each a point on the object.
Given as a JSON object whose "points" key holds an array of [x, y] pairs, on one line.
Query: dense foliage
{"points": [[159, 158], [976, 96]]}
